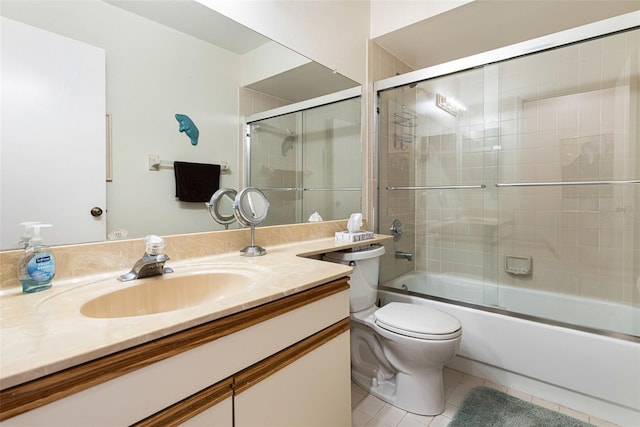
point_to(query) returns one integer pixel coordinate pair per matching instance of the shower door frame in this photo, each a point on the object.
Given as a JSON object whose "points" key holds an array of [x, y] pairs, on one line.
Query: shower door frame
{"points": [[574, 35], [584, 33], [579, 34]]}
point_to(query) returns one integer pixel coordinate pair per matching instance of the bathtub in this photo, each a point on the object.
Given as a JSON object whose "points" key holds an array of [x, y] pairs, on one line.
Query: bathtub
{"points": [[588, 313], [596, 374]]}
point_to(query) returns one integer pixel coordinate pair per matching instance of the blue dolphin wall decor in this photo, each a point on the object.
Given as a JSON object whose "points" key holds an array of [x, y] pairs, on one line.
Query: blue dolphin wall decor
{"points": [[187, 126]]}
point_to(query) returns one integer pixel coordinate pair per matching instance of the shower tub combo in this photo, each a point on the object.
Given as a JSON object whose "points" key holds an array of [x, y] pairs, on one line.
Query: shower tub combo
{"points": [[516, 174]]}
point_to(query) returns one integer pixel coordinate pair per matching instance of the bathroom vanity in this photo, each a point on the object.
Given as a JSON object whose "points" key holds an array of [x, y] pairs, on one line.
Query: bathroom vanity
{"points": [[285, 361], [276, 353]]}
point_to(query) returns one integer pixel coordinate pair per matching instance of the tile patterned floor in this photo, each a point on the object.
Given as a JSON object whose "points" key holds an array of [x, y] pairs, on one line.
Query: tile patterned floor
{"points": [[369, 411]]}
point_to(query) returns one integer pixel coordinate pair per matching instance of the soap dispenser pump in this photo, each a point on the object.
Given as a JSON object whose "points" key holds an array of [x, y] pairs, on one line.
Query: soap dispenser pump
{"points": [[27, 234], [38, 265]]}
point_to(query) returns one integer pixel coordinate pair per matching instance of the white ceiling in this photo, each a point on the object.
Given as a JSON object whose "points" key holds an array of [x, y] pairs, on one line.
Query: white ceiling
{"points": [[484, 25]]}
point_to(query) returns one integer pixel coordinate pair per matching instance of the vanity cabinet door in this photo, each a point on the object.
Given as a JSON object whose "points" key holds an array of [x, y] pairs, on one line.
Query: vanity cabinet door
{"points": [[211, 407], [312, 390], [220, 415]]}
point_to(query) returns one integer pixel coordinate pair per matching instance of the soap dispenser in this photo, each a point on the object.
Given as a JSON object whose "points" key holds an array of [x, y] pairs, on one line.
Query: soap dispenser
{"points": [[38, 265]]}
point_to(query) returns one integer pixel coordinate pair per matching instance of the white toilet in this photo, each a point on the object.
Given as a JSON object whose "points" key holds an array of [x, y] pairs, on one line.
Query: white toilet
{"points": [[398, 351]]}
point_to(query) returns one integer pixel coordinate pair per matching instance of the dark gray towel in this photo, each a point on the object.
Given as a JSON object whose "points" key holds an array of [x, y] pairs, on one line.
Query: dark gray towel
{"points": [[196, 182]]}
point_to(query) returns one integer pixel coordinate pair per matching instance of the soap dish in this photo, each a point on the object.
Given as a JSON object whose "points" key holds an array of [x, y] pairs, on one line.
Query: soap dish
{"points": [[518, 265]]}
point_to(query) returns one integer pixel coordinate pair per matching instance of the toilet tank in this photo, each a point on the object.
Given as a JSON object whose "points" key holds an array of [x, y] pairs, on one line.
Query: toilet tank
{"points": [[363, 281]]}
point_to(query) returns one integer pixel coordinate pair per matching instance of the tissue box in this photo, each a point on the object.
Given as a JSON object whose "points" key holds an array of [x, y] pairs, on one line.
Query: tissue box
{"points": [[356, 236]]}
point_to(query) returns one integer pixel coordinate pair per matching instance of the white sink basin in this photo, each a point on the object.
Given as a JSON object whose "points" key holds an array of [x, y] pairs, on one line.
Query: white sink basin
{"points": [[167, 293]]}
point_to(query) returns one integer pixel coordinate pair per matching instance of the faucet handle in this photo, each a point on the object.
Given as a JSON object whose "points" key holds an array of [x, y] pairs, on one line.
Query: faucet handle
{"points": [[154, 244]]}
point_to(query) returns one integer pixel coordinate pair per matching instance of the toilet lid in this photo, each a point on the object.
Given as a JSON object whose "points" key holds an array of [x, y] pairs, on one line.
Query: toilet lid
{"points": [[417, 321]]}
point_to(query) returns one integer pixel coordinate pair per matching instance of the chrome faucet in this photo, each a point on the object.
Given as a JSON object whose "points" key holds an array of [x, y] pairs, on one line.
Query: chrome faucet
{"points": [[404, 255], [148, 265], [151, 263]]}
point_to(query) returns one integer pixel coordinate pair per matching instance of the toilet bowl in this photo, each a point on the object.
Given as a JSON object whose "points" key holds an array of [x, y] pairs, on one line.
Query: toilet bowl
{"points": [[398, 351]]}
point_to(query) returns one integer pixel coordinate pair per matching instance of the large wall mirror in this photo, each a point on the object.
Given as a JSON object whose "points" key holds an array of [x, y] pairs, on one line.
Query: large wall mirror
{"points": [[160, 58]]}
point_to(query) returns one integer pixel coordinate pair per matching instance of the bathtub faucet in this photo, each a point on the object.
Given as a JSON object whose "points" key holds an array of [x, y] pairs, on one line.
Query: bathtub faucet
{"points": [[404, 255]]}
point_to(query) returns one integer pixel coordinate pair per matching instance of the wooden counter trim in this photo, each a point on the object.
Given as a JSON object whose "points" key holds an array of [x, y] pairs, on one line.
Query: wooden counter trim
{"points": [[33, 394], [263, 369], [188, 408]]}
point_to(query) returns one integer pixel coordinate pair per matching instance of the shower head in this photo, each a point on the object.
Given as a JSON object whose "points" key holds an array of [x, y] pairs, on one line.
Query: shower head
{"points": [[287, 144]]}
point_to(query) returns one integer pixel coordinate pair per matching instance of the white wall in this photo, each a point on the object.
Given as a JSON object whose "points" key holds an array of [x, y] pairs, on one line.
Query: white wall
{"points": [[153, 72], [333, 33]]}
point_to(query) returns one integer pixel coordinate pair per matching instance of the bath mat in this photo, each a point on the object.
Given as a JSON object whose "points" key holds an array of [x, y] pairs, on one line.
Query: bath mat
{"points": [[487, 407]]}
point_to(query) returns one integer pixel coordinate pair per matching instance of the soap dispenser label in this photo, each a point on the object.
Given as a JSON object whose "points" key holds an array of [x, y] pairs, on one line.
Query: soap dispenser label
{"points": [[41, 267]]}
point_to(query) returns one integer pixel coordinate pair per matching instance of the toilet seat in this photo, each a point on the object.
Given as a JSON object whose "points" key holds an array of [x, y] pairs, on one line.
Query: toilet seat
{"points": [[417, 321]]}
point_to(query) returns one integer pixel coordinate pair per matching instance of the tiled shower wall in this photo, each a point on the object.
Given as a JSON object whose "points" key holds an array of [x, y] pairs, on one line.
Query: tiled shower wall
{"points": [[383, 64], [565, 115], [251, 102], [271, 169], [580, 124]]}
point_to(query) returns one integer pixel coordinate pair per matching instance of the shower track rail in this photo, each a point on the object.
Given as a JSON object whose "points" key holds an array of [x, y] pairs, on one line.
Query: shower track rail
{"points": [[514, 184], [438, 187], [560, 183], [334, 189]]}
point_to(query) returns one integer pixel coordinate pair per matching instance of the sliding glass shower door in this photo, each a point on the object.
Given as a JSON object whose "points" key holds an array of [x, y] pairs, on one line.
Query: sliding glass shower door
{"points": [[437, 163], [518, 183], [308, 162]]}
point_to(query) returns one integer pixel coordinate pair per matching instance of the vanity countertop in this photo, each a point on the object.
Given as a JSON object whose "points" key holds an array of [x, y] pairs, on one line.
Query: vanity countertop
{"points": [[45, 332]]}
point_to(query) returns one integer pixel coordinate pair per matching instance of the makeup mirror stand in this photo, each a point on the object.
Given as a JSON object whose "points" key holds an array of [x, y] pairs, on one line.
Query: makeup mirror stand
{"points": [[253, 250]]}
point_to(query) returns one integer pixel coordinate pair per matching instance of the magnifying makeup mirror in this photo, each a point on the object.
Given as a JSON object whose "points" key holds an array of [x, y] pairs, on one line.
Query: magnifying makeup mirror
{"points": [[250, 208], [221, 206]]}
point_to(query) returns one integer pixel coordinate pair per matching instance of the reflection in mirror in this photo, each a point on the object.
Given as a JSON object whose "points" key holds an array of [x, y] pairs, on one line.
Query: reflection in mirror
{"points": [[221, 206], [155, 68], [308, 160]]}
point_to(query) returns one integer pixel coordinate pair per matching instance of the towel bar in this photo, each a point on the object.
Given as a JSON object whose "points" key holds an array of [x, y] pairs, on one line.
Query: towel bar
{"points": [[155, 163]]}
